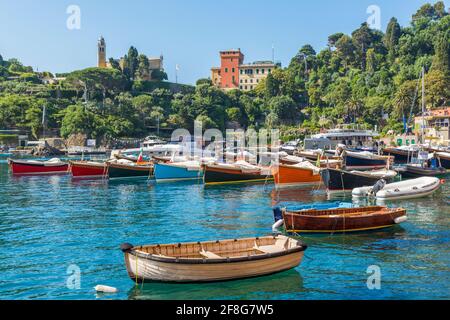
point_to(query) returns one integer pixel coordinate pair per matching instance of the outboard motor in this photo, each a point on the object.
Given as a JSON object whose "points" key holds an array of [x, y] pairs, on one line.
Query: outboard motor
{"points": [[378, 186]]}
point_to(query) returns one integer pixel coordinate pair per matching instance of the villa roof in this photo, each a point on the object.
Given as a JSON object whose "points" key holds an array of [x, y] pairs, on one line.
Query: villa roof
{"points": [[441, 112]]}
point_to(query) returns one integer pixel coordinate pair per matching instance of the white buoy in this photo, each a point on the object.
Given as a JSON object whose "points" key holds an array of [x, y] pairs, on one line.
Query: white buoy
{"points": [[401, 219], [106, 289], [276, 225]]}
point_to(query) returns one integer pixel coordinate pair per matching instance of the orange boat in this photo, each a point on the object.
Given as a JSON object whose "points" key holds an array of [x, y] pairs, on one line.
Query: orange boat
{"points": [[301, 174]]}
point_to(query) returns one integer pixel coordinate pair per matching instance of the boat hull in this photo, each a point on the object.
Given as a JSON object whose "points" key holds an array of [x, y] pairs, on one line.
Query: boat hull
{"points": [[85, 170], [210, 261], [170, 172], [336, 180], [400, 156], [155, 271], [360, 163], [288, 175], [444, 161], [413, 171], [26, 168], [338, 220], [408, 189], [120, 171], [215, 175]]}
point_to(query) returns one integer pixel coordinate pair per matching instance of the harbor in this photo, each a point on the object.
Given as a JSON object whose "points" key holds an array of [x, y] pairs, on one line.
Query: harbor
{"points": [[299, 154], [54, 222]]}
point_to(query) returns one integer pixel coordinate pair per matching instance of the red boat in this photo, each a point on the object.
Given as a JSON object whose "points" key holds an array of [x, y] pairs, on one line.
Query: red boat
{"points": [[34, 167], [87, 169]]}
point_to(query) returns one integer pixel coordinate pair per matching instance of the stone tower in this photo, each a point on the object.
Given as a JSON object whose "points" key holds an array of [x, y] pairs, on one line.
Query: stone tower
{"points": [[101, 54]]}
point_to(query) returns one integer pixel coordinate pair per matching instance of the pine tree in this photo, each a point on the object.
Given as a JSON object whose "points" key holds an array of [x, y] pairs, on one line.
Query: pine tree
{"points": [[441, 60], [132, 61]]}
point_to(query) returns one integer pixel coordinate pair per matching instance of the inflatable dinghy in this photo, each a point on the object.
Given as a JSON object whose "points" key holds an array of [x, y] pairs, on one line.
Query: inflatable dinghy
{"points": [[409, 189]]}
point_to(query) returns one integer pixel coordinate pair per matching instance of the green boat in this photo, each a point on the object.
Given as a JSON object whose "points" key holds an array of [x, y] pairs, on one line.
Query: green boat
{"points": [[123, 171]]}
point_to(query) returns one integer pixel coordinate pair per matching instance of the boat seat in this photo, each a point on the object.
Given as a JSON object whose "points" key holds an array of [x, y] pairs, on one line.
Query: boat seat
{"points": [[269, 249], [210, 255]]}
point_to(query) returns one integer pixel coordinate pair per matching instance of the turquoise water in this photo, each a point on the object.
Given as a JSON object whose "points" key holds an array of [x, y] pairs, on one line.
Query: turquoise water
{"points": [[50, 223]]}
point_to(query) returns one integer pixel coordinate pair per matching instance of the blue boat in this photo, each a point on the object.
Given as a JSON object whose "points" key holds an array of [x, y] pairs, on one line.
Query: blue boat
{"points": [[166, 172], [317, 206]]}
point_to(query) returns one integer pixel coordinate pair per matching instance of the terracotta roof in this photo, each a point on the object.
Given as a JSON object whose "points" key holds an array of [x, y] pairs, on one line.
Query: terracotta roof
{"points": [[441, 112]]}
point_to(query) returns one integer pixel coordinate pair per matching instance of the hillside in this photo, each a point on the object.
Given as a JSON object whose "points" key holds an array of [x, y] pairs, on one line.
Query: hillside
{"points": [[368, 77]]}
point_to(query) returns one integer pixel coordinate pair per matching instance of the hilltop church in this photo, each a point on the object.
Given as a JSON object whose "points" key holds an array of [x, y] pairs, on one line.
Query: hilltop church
{"points": [[155, 63]]}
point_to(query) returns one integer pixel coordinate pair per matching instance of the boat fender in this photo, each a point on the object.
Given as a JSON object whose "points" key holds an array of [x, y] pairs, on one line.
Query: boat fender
{"points": [[442, 181], [400, 219], [105, 289], [277, 225], [277, 214], [126, 247]]}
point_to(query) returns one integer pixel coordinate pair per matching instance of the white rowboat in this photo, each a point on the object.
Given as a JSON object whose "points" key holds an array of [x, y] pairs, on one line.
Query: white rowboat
{"points": [[212, 260]]}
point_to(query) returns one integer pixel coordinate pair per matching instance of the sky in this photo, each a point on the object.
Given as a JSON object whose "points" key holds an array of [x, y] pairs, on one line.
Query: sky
{"points": [[189, 33]]}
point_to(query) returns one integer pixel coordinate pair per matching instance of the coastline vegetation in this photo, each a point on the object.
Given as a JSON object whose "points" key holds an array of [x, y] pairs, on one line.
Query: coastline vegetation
{"points": [[368, 77]]}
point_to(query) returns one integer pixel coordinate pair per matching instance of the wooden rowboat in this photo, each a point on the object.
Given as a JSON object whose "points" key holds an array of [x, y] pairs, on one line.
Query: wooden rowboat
{"points": [[212, 260], [342, 219]]}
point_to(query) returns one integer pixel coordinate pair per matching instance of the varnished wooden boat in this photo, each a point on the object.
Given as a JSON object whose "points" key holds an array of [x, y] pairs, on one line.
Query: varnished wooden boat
{"points": [[240, 172], [212, 260], [301, 174], [118, 170], [342, 219]]}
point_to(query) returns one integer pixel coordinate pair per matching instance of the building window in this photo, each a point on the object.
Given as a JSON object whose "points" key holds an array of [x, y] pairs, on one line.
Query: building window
{"points": [[269, 70], [232, 70], [245, 87], [241, 81], [251, 80], [245, 80], [226, 69], [262, 71], [251, 87], [242, 71], [257, 71], [233, 79], [240, 87]]}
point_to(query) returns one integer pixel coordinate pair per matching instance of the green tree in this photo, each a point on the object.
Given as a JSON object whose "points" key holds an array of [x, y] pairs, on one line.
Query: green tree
{"points": [[159, 75], [79, 120], [33, 117], [132, 62], [441, 60], [284, 109], [346, 49], [143, 68]]}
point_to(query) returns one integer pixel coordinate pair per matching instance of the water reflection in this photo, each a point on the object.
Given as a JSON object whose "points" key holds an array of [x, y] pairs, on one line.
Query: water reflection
{"points": [[265, 287]]}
